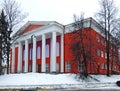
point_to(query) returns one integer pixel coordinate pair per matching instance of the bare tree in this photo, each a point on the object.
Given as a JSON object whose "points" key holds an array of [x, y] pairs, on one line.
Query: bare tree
{"points": [[14, 17], [107, 17], [14, 14]]}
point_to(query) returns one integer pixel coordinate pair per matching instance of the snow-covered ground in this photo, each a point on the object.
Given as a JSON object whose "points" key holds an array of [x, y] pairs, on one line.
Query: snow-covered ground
{"points": [[33, 80], [104, 78]]}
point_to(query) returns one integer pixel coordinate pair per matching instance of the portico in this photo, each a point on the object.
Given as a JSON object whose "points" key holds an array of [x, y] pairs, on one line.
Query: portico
{"points": [[39, 50]]}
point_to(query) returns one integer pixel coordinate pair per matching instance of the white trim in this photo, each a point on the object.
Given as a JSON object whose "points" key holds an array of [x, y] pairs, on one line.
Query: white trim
{"points": [[39, 31]]}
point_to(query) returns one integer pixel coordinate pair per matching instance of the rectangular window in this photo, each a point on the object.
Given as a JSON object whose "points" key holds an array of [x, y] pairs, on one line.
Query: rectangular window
{"points": [[102, 42], [31, 49], [47, 50], [113, 68], [67, 67], [98, 39], [57, 67], [38, 52], [106, 55], [111, 47], [30, 68], [102, 54], [80, 66], [24, 54], [106, 66], [105, 43], [98, 52], [47, 67], [57, 48], [102, 66]]}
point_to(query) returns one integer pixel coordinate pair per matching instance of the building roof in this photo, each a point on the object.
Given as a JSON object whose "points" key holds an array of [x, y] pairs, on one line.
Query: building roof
{"points": [[31, 25]]}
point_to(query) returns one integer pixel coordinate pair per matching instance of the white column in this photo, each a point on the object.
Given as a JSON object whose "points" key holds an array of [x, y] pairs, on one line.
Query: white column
{"points": [[34, 55], [62, 53], [43, 53], [53, 53], [26, 56], [13, 58], [20, 57]]}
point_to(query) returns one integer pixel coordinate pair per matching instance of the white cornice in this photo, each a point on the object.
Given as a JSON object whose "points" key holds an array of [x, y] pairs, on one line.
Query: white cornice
{"points": [[34, 23], [53, 26]]}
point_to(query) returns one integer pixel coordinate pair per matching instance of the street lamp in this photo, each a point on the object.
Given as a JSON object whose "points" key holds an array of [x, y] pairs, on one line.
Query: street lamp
{"points": [[32, 36], [31, 50]]}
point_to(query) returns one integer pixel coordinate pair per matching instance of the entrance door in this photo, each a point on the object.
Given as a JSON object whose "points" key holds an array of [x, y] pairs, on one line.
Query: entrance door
{"points": [[38, 68]]}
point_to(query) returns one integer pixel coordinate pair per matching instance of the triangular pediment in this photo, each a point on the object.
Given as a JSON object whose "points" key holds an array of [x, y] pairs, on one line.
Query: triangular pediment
{"points": [[30, 27]]}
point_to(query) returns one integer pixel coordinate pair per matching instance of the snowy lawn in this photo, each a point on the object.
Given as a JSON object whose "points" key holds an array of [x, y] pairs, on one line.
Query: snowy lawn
{"points": [[37, 79], [104, 78], [27, 80]]}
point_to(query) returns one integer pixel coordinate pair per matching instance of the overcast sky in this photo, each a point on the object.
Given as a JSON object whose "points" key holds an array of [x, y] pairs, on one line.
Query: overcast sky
{"points": [[58, 10]]}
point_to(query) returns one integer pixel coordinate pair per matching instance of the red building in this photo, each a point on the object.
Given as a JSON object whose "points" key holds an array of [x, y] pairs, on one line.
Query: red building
{"points": [[46, 47]]}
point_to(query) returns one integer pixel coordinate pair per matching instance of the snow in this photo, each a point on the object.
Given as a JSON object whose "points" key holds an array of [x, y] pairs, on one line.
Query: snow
{"points": [[104, 78], [44, 80], [37, 79]]}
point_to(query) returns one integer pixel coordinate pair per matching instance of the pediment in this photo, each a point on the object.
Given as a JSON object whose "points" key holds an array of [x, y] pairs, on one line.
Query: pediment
{"points": [[30, 27]]}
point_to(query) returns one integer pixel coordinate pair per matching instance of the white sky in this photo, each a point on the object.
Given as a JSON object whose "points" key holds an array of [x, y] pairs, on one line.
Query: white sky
{"points": [[58, 10]]}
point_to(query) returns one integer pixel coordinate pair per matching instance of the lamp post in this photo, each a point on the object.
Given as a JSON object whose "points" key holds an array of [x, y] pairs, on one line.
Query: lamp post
{"points": [[31, 50], [33, 53]]}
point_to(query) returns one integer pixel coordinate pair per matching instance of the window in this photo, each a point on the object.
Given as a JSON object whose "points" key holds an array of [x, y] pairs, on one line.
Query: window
{"points": [[30, 68], [31, 49], [114, 49], [80, 66], [57, 67], [106, 66], [47, 67], [57, 48], [67, 67], [106, 55], [111, 47], [102, 54], [47, 50], [109, 67], [98, 39], [114, 58], [105, 43], [24, 54], [113, 68], [101, 41], [38, 52], [102, 66], [98, 52]]}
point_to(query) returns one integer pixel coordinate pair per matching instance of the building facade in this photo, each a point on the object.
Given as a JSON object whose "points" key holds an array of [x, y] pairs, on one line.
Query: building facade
{"points": [[45, 47]]}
